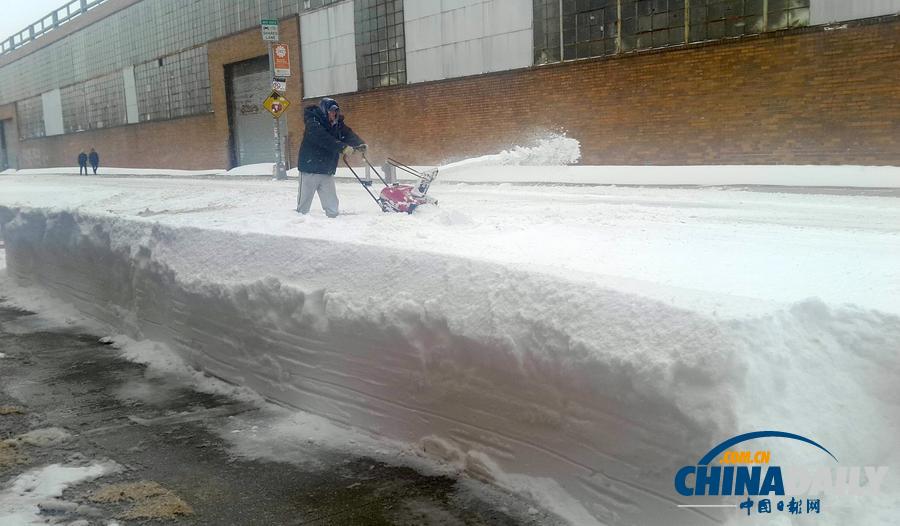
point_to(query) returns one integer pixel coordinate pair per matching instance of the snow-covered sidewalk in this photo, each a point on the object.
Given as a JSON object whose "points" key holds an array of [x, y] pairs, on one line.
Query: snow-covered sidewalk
{"points": [[574, 343]]}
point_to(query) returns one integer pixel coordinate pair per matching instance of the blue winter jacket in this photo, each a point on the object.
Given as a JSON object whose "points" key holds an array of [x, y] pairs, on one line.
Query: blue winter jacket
{"points": [[322, 143]]}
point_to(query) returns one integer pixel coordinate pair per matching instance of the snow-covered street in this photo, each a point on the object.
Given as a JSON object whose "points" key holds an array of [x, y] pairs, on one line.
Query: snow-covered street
{"points": [[782, 247], [571, 343]]}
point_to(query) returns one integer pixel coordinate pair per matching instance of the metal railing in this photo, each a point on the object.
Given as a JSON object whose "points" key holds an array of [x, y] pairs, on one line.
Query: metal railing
{"points": [[56, 18]]}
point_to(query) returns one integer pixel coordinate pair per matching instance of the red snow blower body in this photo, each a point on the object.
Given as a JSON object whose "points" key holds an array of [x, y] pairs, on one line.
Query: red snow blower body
{"points": [[396, 197]]}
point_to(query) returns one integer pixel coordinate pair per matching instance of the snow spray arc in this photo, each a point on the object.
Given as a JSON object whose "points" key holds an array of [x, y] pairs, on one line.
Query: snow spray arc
{"points": [[780, 489]]}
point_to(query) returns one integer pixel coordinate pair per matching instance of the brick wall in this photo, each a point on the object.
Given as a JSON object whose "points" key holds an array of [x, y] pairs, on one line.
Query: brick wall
{"points": [[805, 96], [810, 96], [191, 143]]}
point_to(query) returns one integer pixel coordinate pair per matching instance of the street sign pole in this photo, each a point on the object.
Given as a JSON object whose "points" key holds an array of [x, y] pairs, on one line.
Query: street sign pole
{"points": [[280, 171]]}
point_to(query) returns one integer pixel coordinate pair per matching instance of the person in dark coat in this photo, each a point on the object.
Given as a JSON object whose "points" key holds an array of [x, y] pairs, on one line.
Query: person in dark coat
{"points": [[325, 139], [82, 163], [94, 158]]}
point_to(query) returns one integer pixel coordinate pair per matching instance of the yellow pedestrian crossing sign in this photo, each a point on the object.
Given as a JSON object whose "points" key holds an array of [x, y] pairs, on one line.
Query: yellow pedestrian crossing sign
{"points": [[276, 104]]}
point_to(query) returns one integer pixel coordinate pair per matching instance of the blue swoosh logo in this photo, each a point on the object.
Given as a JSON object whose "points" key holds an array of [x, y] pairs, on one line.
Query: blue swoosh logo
{"points": [[714, 452]]}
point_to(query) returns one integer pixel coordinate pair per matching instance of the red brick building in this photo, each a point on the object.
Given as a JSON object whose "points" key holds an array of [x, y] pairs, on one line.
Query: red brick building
{"points": [[168, 85]]}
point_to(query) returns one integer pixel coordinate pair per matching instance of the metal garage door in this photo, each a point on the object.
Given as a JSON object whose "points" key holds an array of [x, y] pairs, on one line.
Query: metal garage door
{"points": [[251, 125]]}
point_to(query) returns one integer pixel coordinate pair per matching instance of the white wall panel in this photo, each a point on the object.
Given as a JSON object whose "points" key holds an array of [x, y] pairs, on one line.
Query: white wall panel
{"points": [[463, 58], [426, 63], [423, 33], [508, 48], [131, 102], [455, 38], [506, 16], [328, 48], [414, 9], [827, 11], [463, 24], [53, 119]]}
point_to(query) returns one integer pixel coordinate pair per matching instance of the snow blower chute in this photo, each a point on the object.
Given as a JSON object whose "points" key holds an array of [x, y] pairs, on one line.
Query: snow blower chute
{"points": [[396, 197]]}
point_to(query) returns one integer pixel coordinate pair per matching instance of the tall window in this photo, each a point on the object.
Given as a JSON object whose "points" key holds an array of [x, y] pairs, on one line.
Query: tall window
{"points": [[74, 110], [546, 31], [380, 43], [105, 101], [30, 117]]}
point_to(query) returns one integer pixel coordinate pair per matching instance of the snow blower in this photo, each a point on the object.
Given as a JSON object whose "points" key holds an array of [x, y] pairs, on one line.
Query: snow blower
{"points": [[396, 197]]}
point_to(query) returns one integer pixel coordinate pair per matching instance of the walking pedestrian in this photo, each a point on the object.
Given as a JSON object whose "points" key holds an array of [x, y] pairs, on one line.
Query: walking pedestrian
{"points": [[94, 158], [82, 163]]}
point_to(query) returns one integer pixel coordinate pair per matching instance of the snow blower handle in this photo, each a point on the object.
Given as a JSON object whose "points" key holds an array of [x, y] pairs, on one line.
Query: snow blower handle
{"points": [[372, 166], [367, 187]]}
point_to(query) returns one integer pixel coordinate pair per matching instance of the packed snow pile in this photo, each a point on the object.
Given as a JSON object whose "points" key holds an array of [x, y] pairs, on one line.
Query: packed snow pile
{"points": [[575, 346], [555, 150]]}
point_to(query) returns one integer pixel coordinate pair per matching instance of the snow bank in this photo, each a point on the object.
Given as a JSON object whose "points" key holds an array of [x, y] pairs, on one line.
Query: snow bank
{"points": [[562, 389]]}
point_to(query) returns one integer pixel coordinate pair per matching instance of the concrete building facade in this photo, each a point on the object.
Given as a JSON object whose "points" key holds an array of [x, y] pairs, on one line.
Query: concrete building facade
{"points": [[161, 84]]}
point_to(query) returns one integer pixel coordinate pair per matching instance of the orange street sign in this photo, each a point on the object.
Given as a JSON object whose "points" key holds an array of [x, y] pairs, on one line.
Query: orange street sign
{"points": [[282, 59], [276, 104]]}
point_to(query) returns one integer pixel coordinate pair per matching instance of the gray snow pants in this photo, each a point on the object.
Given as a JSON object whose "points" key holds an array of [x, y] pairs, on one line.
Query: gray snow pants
{"points": [[324, 185]]}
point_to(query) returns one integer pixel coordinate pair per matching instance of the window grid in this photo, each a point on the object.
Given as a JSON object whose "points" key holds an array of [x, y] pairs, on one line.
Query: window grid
{"points": [[174, 86], [650, 24], [104, 98], [315, 4], [714, 19], [152, 91], [589, 28], [592, 28], [134, 35], [785, 14], [30, 116], [380, 43], [546, 31], [74, 108]]}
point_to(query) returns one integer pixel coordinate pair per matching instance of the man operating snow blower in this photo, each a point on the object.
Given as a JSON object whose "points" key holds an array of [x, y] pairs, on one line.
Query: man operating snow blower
{"points": [[326, 138]]}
